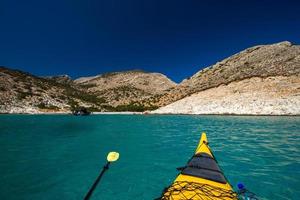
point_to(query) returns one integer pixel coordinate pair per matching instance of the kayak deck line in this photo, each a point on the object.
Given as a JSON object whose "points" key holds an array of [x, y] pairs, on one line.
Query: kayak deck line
{"points": [[201, 178], [192, 190]]}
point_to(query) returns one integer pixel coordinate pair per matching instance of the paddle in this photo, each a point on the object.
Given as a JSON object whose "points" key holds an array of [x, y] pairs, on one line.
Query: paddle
{"points": [[111, 157]]}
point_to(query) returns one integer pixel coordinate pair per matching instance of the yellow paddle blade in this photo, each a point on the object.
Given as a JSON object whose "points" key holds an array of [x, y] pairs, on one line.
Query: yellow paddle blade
{"points": [[112, 156]]}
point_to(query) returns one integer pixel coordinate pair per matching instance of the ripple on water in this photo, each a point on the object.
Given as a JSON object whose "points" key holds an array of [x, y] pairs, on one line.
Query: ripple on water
{"points": [[58, 157]]}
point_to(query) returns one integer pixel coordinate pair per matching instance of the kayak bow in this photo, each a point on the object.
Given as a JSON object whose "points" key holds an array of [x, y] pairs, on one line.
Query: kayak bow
{"points": [[201, 178]]}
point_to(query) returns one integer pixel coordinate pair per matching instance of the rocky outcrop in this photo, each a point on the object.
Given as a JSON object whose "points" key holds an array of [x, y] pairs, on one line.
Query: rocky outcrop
{"points": [[65, 79], [120, 91], [279, 95]]}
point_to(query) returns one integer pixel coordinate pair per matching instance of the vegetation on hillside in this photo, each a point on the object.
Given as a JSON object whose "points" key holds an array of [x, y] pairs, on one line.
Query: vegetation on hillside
{"points": [[27, 86], [134, 108], [45, 106]]}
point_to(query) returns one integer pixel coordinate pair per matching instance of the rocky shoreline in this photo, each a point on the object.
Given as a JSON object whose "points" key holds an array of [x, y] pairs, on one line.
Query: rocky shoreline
{"points": [[150, 113], [70, 113], [254, 96]]}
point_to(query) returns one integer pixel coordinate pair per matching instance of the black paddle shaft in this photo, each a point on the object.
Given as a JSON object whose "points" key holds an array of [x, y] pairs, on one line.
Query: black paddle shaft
{"points": [[89, 194]]}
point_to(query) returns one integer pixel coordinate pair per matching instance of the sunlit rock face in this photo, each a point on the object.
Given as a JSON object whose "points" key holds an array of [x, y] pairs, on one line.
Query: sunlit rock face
{"points": [[280, 59], [121, 88], [279, 95], [262, 80]]}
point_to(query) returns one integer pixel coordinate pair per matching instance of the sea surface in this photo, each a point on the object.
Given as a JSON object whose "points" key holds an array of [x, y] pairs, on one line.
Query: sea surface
{"points": [[60, 156]]}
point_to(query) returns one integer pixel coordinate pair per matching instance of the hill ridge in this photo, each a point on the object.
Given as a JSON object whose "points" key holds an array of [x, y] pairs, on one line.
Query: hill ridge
{"points": [[140, 90]]}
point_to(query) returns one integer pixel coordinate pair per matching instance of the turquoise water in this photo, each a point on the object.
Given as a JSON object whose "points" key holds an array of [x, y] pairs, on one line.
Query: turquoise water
{"points": [[59, 156]]}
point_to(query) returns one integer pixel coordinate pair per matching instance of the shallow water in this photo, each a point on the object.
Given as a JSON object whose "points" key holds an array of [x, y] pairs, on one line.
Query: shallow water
{"points": [[59, 156]]}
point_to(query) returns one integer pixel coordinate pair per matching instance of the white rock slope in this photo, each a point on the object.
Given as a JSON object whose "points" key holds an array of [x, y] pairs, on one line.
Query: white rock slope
{"points": [[255, 96]]}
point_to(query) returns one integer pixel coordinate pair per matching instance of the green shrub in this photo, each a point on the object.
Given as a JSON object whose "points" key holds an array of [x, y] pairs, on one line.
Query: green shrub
{"points": [[89, 85], [73, 104], [44, 106], [132, 107], [2, 89], [94, 109], [22, 95]]}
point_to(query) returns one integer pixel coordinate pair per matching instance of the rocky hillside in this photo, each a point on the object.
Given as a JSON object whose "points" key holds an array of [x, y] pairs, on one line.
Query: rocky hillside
{"points": [[281, 59], [278, 95], [121, 91], [261, 80], [25, 93], [128, 87]]}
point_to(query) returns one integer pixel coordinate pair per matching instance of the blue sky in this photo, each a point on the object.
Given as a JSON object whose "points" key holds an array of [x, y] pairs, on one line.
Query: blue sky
{"points": [[175, 37]]}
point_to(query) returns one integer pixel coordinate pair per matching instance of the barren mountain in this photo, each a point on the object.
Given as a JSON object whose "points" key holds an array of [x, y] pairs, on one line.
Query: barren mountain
{"points": [[278, 95], [280, 59], [123, 88], [120, 91], [261, 80]]}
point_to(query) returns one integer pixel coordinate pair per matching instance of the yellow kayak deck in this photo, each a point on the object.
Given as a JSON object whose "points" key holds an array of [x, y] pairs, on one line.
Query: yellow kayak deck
{"points": [[201, 178]]}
